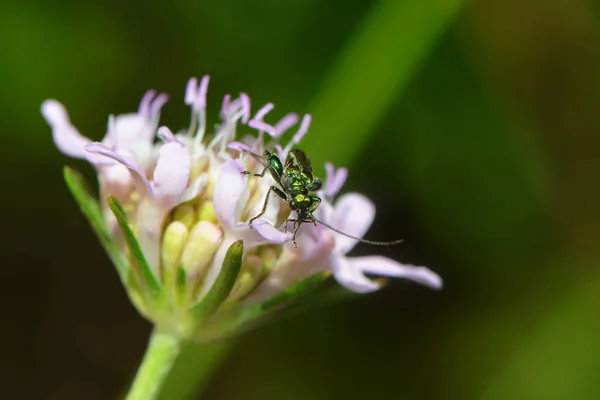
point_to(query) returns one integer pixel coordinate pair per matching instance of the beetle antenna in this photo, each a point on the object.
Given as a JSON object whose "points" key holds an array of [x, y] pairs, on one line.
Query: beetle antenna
{"points": [[257, 157], [391, 243]]}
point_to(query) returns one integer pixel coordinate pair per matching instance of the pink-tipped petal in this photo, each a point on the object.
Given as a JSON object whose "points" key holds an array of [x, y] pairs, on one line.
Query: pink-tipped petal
{"points": [[144, 108], [383, 266], [66, 137], [303, 129], [157, 104], [264, 110], [191, 91], [171, 174], [239, 147], [194, 189], [270, 233], [245, 99], [225, 105], [284, 124], [350, 276], [261, 126], [335, 179], [137, 173], [228, 189], [353, 214], [202, 90], [167, 135]]}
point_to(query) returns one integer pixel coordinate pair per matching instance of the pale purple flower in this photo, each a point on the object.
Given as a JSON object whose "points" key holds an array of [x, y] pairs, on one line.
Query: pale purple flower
{"points": [[187, 201]]}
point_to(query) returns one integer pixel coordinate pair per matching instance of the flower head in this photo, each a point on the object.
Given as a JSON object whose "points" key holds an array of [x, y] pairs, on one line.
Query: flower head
{"points": [[174, 211]]}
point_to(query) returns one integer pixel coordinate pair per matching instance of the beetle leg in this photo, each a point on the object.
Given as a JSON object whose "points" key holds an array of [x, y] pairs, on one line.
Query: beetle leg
{"points": [[277, 191], [255, 174]]}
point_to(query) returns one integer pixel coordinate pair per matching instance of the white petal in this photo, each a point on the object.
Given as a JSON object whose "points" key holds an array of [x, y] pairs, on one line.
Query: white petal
{"points": [[350, 276], [137, 172], [268, 232], [353, 214], [272, 211], [383, 266], [194, 189], [116, 180], [288, 270], [171, 174], [128, 129], [228, 189], [66, 137]]}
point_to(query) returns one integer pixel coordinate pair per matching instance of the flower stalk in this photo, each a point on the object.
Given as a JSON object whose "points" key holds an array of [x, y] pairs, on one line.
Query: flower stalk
{"points": [[160, 356]]}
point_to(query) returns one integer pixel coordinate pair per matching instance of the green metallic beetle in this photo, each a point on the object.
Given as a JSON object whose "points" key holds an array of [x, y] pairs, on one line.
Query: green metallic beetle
{"points": [[296, 181]]}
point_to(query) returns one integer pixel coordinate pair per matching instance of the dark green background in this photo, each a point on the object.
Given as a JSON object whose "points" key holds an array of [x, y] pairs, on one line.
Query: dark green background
{"points": [[474, 127]]}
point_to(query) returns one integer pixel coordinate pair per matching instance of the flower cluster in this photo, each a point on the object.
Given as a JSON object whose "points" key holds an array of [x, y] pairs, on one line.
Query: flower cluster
{"points": [[178, 204]]}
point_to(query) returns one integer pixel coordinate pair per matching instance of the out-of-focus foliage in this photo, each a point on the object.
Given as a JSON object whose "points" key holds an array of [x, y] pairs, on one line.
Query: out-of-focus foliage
{"points": [[473, 126]]}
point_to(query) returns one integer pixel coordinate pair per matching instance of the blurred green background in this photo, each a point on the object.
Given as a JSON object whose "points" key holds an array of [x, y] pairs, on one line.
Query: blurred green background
{"points": [[473, 125]]}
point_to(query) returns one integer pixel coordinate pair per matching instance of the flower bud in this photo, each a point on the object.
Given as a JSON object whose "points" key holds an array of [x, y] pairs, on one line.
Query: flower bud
{"points": [[185, 214], [174, 240], [206, 212], [203, 240]]}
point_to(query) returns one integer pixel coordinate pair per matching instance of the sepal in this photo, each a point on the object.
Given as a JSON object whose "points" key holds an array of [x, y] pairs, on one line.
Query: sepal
{"points": [[147, 281]]}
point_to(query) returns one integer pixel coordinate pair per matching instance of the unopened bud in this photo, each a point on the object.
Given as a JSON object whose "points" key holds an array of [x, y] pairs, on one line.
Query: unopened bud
{"points": [[185, 214], [203, 241], [174, 240], [206, 212]]}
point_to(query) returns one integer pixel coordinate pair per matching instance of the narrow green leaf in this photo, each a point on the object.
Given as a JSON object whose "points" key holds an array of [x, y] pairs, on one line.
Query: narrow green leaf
{"points": [[148, 282], [371, 72], [91, 209], [230, 269]]}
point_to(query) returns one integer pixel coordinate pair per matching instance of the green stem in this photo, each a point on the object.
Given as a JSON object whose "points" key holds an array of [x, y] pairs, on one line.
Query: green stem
{"points": [[193, 369], [160, 355]]}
